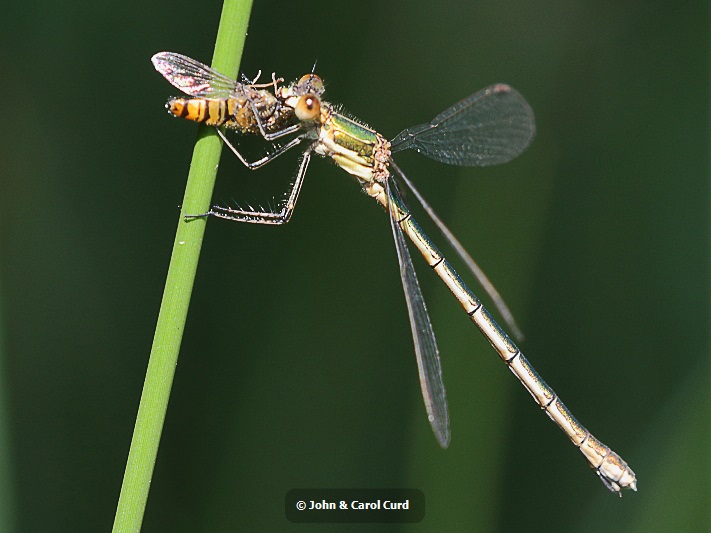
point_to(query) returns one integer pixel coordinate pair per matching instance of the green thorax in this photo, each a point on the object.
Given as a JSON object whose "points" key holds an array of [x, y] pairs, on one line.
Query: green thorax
{"points": [[353, 136]]}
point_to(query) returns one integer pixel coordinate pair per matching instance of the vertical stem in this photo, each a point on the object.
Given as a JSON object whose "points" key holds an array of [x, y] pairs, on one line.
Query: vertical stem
{"points": [[231, 35]]}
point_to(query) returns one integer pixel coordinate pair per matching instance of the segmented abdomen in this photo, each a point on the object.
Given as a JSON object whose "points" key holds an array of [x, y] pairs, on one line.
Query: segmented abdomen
{"points": [[234, 113]]}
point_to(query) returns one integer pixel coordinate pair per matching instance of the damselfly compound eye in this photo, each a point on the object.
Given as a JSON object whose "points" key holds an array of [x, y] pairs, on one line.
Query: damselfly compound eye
{"points": [[308, 107], [311, 83]]}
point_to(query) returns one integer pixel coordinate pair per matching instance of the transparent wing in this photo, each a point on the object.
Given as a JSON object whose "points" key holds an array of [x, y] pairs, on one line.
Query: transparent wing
{"points": [[490, 127], [472, 265], [192, 77], [428, 363]]}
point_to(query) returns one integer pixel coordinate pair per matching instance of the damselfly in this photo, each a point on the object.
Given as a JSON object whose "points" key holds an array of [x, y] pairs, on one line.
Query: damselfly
{"points": [[489, 127]]}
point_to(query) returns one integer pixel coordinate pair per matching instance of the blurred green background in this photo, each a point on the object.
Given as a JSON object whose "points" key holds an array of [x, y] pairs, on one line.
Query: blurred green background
{"points": [[297, 368]]}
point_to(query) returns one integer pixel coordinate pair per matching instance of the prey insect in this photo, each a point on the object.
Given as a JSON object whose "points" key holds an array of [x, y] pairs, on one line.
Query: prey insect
{"points": [[490, 127]]}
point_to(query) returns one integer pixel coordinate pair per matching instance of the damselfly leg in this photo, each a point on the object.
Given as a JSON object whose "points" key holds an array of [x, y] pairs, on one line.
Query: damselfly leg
{"points": [[277, 217]]}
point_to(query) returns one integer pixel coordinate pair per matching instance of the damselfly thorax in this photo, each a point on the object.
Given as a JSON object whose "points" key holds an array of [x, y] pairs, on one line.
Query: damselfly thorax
{"points": [[353, 146]]}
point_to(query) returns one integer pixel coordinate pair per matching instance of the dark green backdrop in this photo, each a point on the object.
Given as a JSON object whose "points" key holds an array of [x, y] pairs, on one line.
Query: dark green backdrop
{"points": [[297, 368]]}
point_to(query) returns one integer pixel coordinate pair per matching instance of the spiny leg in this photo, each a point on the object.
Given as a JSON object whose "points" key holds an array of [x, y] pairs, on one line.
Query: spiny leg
{"points": [[279, 217], [264, 160]]}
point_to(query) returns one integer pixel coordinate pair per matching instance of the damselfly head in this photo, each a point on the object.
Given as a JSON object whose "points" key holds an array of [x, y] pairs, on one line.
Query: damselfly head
{"points": [[309, 84], [304, 97]]}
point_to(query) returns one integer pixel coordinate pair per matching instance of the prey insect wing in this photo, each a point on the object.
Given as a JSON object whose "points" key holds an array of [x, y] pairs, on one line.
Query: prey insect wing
{"points": [[194, 78]]}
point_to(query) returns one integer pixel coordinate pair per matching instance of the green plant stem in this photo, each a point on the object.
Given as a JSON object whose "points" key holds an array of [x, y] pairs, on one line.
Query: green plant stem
{"points": [[231, 35]]}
